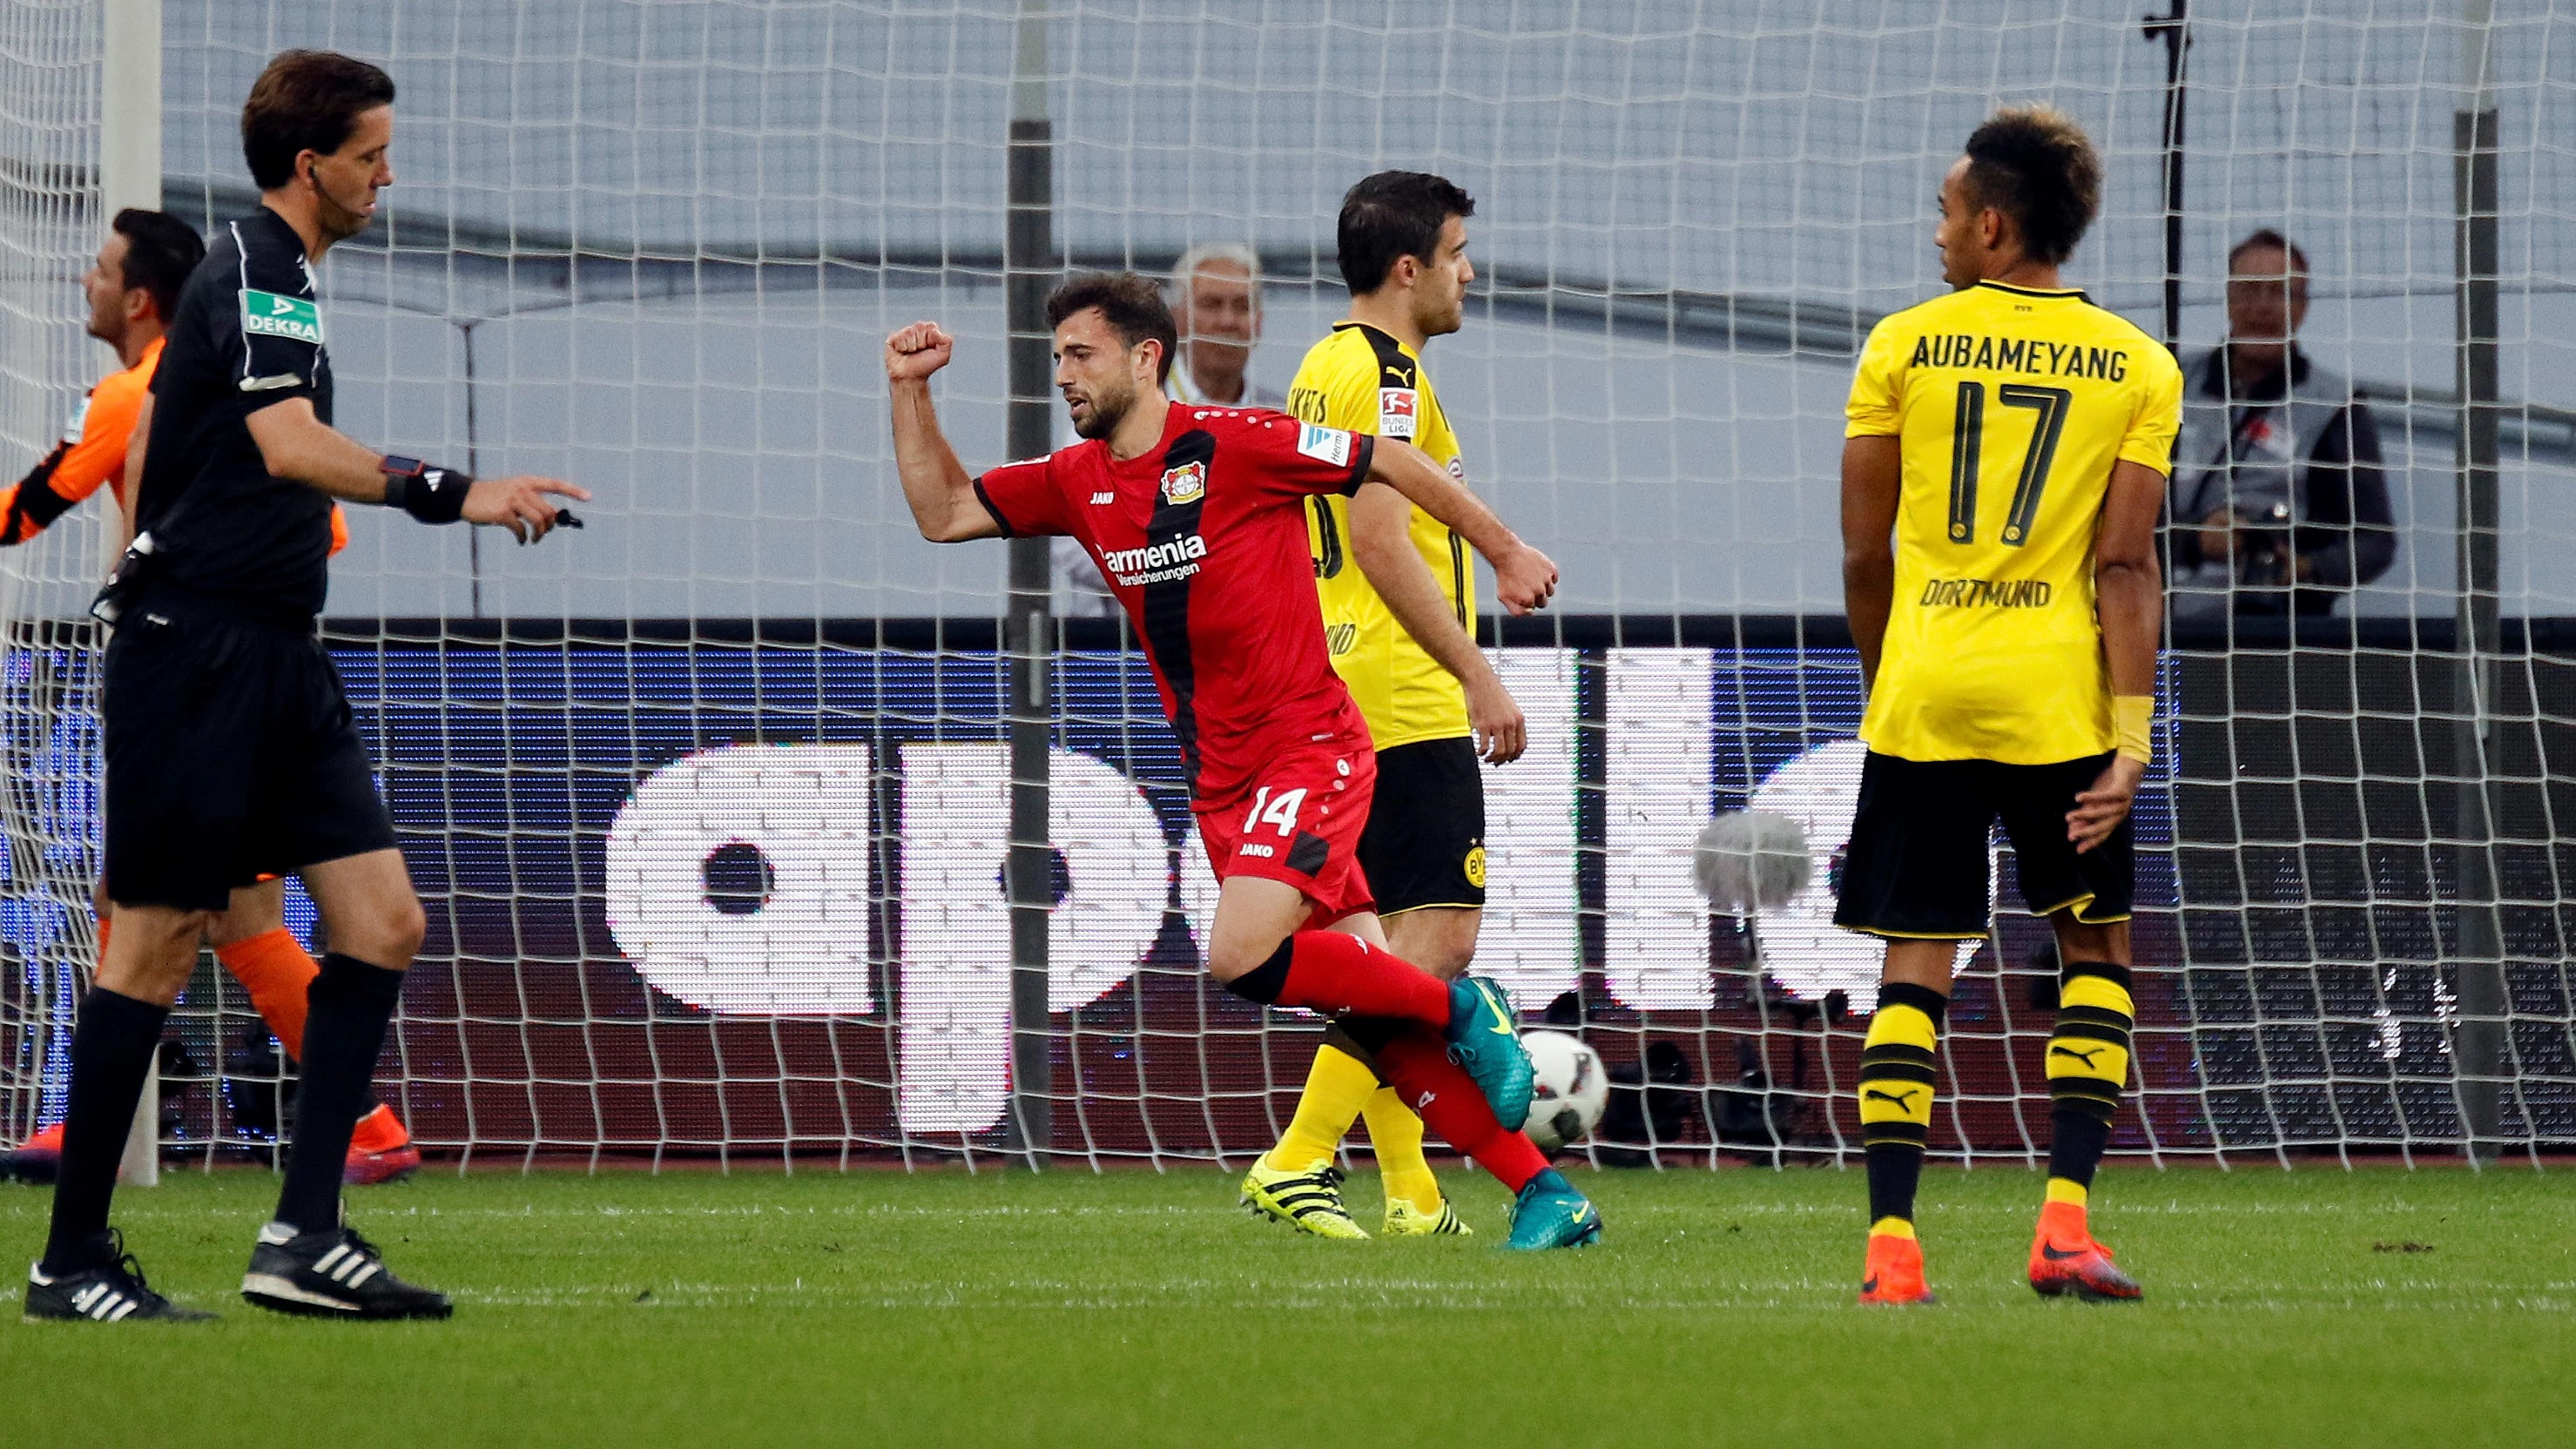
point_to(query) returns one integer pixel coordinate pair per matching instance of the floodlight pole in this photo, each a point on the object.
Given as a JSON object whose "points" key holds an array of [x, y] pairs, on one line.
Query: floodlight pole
{"points": [[2480, 1061], [1029, 271], [129, 174]]}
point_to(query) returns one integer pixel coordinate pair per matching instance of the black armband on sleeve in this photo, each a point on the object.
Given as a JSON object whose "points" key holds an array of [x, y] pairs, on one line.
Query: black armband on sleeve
{"points": [[33, 504], [424, 490]]}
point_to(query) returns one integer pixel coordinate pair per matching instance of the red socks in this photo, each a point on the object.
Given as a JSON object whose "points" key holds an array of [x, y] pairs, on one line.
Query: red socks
{"points": [[1334, 972], [1419, 1069], [1339, 974]]}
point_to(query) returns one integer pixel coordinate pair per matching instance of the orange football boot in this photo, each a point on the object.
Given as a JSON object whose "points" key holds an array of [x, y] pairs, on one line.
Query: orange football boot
{"points": [[36, 1160], [2064, 1258], [1894, 1275], [380, 1150]]}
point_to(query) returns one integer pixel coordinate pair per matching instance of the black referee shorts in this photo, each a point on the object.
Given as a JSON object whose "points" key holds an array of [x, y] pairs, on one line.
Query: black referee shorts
{"points": [[1916, 866], [1425, 841], [231, 754]]}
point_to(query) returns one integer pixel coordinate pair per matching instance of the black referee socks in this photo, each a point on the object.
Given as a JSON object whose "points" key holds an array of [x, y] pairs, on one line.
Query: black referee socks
{"points": [[112, 1047], [350, 1002]]}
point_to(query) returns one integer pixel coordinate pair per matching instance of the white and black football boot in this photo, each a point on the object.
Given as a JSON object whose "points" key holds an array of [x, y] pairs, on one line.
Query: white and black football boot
{"points": [[332, 1274], [113, 1292]]}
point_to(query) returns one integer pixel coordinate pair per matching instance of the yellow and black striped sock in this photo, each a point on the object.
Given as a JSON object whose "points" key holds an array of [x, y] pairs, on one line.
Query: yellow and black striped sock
{"points": [[2088, 1065], [1896, 1099]]}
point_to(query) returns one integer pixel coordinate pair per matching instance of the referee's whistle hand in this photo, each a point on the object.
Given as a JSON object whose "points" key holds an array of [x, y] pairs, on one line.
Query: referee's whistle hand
{"points": [[2100, 810], [1524, 579], [520, 504]]}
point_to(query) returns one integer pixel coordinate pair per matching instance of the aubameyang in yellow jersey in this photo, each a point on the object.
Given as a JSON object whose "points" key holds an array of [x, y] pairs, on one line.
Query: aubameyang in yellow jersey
{"points": [[2012, 406]]}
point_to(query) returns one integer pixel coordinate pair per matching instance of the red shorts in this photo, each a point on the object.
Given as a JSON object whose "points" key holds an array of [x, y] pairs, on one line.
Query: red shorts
{"points": [[1300, 823]]}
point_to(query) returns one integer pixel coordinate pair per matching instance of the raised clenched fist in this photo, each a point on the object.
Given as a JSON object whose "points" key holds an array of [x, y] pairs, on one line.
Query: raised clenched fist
{"points": [[917, 351]]}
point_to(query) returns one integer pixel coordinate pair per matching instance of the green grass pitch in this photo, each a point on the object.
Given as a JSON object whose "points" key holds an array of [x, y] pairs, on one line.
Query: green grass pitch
{"points": [[1134, 1309]]}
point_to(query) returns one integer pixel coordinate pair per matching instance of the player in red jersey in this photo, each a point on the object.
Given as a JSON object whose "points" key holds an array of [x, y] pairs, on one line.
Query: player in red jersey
{"points": [[1196, 518]]}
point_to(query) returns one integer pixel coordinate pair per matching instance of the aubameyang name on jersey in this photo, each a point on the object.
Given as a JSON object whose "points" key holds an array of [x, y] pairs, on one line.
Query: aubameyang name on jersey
{"points": [[1986, 594], [2025, 355], [1158, 563]]}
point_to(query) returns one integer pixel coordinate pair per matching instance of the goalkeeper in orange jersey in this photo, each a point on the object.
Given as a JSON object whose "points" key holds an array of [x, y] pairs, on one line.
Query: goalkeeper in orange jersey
{"points": [[1399, 606], [132, 290], [2004, 462]]}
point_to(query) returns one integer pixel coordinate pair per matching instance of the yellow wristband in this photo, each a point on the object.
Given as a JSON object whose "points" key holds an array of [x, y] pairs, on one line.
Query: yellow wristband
{"points": [[2134, 717]]}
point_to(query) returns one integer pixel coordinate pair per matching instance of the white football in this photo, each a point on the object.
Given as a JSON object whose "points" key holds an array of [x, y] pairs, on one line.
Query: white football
{"points": [[1570, 1090]]}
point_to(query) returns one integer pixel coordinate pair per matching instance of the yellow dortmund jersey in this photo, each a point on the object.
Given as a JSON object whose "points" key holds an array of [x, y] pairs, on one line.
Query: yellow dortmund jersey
{"points": [[2013, 405], [1360, 378]]}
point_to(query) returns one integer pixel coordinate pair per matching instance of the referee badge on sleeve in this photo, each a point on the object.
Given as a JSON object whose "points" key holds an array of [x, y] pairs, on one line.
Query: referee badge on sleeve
{"points": [[270, 314]]}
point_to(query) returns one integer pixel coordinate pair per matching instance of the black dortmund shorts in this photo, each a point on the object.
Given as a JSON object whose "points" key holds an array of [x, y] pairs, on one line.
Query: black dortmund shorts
{"points": [[231, 754], [1425, 841], [1916, 866]]}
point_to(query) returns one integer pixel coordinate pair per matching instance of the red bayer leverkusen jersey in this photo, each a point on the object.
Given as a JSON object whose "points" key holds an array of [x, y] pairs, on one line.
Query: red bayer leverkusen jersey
{"points": [[1203, 540]]}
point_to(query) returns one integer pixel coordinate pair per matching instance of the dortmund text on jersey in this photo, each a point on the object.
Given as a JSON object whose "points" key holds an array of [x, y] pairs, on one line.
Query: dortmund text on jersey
{"points": [[2012, 406]]}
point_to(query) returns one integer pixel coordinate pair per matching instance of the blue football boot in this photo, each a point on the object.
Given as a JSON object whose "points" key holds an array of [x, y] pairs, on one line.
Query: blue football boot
{"points": [[1484, 1041], [1549, 1213]]}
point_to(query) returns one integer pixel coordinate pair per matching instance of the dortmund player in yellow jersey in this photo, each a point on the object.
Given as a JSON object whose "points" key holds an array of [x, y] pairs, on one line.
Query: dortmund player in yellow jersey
{"points": [[1399, 608], [2004, 461]]}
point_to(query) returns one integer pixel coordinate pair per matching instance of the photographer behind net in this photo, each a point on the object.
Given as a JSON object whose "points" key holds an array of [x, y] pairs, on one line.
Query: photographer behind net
{"points": [[2279, 503]]}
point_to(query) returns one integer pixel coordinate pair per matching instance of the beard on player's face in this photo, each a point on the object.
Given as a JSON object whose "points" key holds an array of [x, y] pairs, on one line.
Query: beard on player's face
{"points": [[1099, 406], [1439, 313], [104, 285]]}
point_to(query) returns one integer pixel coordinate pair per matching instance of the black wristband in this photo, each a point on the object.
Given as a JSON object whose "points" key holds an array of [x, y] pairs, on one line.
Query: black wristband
{"points": [[424, 490]]}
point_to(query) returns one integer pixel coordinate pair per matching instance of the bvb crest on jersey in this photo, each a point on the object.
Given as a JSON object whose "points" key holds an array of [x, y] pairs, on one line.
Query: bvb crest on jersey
{"points": [[1185, 484]]}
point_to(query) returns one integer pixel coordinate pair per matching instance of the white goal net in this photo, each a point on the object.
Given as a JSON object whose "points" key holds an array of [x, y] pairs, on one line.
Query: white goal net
{"points": [[49, 217], [710, 801]]}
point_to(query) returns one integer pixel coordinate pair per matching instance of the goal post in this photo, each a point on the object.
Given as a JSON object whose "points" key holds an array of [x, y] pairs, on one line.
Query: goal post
{"points": [[752, 827], [129, 174]]}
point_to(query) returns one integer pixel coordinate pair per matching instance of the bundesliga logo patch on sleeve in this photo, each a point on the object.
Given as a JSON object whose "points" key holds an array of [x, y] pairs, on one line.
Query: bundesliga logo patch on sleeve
{"points": [[1395, 412], [268, 314], [1330, 445]]}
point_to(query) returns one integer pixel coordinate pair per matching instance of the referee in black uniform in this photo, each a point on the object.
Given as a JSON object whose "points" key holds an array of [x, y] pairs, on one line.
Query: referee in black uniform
{"points": [[231, 752]]}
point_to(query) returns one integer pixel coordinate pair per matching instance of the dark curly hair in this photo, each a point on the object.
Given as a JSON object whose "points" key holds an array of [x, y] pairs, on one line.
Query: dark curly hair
{"points": [[2035, 165], [1133, 307]]}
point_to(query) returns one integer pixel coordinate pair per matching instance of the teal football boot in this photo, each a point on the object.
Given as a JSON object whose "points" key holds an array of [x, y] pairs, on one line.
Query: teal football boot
{"points": [[1484, 1040], [1549, 1213]]}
